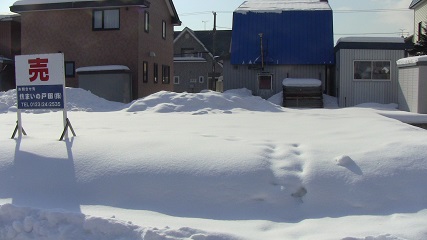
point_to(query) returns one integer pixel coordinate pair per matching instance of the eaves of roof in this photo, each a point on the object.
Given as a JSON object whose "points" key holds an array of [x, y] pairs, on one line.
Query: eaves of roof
{"points": [[174, 13], [414, 3]]}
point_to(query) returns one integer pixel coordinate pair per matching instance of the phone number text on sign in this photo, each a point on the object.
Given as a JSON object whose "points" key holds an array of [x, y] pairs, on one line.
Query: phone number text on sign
{"points": [[40, 97]]}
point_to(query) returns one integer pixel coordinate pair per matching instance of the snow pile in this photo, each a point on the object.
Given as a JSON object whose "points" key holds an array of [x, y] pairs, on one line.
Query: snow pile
{"points": [[28, 223], [203, 103], [82, 100], [8, 101], [262, 172]]}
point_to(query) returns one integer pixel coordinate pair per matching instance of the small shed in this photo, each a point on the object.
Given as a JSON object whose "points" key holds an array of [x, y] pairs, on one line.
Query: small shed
{"points": [[302, 93], [413, 84], [366, 70], [112, 82]]}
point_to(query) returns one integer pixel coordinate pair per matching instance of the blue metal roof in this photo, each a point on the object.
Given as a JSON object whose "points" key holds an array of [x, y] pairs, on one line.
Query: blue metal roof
{"points": [[289, 37]]}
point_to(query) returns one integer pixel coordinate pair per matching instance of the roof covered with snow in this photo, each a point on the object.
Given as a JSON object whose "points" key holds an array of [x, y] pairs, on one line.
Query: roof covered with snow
{"points": [[282, 5], [382, 43], [38, 5], [102, 68], [7, 15], [372, 39], [411, 61]]}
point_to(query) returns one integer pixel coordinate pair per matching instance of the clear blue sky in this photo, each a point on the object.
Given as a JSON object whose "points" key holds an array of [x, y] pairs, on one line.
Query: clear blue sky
{"points": [[351, 17]]}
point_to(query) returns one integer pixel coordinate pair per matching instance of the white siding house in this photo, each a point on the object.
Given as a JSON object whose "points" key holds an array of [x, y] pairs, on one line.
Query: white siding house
{"points": [[420, 17], [366, 70]]}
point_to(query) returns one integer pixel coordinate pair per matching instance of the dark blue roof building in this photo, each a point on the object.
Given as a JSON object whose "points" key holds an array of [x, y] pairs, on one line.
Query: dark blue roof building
{"points": [[286, 32], [277, 39]]}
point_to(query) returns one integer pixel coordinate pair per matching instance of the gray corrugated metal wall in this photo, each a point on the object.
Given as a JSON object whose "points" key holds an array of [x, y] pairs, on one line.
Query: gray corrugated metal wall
{"points": [[356, 92], [240, 76]]}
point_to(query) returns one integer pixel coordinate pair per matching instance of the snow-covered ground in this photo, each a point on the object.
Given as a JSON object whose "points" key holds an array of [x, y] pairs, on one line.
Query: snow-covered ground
{"points": [[212, 166]]}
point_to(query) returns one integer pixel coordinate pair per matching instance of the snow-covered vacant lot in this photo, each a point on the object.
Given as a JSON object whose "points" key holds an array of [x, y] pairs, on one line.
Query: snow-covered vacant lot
{"points": [[211, 166]]}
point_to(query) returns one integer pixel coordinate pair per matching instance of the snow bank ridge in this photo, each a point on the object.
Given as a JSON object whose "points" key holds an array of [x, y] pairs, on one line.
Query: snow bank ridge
{"points": [[27, 223]]}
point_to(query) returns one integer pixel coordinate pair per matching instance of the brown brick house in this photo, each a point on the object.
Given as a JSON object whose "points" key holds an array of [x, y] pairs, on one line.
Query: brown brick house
{"points": [[10, 37], [137, 34]]}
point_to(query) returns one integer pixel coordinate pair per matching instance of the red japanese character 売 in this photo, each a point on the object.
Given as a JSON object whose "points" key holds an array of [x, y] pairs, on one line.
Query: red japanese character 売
{"points": [[38, 69]]}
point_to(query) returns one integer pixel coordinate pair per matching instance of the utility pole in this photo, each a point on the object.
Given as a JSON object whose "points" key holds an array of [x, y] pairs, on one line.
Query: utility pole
{"points": [[213, 54]]}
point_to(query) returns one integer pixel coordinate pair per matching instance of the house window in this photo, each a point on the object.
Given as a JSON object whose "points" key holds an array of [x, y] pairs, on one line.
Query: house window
{"points": [[265, 82], [163, 29], [187, 52], [175, 79], [147, 22], [156, 73], [145, 71], [372, 70], [165, 74], [70, 68], [108, 19], [201, 79]]}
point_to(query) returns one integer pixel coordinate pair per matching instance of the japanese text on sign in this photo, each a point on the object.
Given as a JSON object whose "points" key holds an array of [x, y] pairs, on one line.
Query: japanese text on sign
{"points": [[38, 97], [38, 69]]}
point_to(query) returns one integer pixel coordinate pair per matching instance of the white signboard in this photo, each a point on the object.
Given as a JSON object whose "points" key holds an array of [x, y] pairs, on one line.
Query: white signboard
{"points": [[40, 84], [40, 81]]}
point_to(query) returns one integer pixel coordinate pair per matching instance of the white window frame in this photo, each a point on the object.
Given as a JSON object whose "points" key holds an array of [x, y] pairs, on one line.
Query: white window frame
{"points": [[271, 81], [164, 29], [147, 21], [175, 79], [371, 72]]}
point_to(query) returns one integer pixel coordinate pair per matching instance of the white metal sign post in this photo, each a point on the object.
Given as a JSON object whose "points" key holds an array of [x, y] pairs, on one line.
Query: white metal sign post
{"points": [[40, 84]]}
